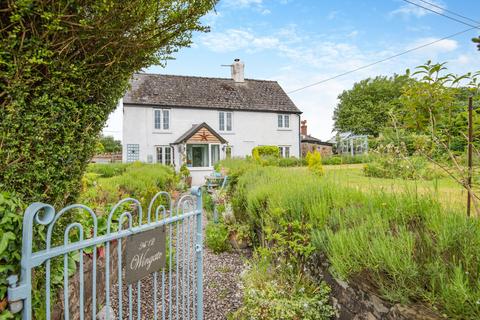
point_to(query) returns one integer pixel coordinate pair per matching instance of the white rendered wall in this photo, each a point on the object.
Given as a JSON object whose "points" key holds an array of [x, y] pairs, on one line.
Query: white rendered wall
{"points": [[250, 129]]}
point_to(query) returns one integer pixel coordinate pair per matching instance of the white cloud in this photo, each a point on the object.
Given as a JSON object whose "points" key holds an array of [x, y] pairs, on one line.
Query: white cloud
{"points": [[211, 18], [302, 49], [353, 34], [255, 5], [332, 15], [447, 45], [409, 9], [236, 39], [310, 58], [242, 3]]}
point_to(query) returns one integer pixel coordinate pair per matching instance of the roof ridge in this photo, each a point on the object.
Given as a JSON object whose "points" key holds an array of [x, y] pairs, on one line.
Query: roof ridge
{"points": [[200, 77]]}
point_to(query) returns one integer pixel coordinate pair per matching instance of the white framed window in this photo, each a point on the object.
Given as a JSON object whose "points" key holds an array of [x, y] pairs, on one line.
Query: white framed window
{"points": [[284, 121], [197, 155], [133, 151], [284, 151], [215, 154], [161, 119], [163, 155], [225, 121], [202, 155]]}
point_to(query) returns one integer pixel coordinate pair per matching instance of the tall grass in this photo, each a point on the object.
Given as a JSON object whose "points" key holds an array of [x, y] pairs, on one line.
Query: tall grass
{"points": [[107, 170], [406, 247], [137, 180]]}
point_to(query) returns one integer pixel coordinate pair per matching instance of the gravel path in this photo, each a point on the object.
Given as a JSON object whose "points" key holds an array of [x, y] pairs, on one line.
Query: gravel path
{"points": [[222, 293]]}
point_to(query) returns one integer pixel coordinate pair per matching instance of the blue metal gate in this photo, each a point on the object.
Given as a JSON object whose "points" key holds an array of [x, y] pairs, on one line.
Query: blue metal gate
{"points": [[174, 292]]}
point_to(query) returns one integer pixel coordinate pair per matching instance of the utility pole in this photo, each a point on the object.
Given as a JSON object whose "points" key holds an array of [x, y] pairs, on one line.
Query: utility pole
{"points": [[470, 149]]}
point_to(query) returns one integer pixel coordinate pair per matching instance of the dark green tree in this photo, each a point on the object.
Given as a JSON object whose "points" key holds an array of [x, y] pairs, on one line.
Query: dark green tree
{"points": [[64, 65], [477, 41], [364, 109], [110, 145]]}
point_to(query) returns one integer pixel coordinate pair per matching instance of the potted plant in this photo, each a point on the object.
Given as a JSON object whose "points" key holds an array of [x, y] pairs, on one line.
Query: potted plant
{"points": [[239, 236], [185, 175]]}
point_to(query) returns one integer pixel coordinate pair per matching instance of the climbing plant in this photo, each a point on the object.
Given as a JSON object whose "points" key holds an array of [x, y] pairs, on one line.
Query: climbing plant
{"points": [[64, 65]]}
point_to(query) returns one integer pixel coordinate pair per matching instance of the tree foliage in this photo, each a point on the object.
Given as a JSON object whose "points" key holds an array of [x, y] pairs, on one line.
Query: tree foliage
{"points": [[436, 104], [63, 67], [110, 145], [364, 108], [477, 41]]}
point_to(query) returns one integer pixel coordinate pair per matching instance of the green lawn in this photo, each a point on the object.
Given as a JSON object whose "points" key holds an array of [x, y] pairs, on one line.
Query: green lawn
{"points": [[445, 189]]}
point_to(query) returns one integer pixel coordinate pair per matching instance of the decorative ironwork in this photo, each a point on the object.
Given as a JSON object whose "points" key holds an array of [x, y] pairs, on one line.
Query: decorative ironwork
{"points": [[183, 223]]}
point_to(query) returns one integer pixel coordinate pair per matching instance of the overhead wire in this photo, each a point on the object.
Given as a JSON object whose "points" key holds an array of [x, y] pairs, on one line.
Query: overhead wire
{"points": [[449, 11], [443, 15], [406, 51], [382, 60]]}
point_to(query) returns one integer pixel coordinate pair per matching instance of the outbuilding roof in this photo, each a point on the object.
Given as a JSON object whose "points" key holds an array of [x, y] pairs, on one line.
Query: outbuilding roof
{"points": [[208, 93], [309, 139]]}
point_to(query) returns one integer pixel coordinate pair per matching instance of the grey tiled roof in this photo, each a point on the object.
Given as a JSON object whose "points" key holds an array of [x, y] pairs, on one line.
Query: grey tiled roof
{"points": [[310, 139], [208, 93]]}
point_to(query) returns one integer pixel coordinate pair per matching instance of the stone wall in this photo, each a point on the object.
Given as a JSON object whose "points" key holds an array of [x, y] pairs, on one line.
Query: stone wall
{"points": [[324, 150], [356, 300], [74, 285]]}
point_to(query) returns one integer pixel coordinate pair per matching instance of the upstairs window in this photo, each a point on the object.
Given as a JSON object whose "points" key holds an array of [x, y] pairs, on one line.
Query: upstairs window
{"points": [[225, 121], [161, 119], [283, 121]]}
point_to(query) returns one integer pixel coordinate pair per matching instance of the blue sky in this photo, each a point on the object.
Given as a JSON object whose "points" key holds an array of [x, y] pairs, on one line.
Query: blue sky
{"points": [[298, 42]]}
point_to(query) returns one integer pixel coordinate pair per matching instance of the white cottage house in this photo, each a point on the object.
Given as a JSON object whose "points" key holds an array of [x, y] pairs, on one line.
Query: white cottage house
{"points": [[198, 121]]}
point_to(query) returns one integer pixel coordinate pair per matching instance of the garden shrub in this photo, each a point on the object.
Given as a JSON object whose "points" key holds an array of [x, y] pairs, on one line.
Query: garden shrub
{"points": [[346, 159], [11, 208], [391, 162], [208, 203], [216, 237], [290, 162], [140, 181], [314, 163], [411, 248], [277, 292], [63, 72], [265, 151], [332, 160]]}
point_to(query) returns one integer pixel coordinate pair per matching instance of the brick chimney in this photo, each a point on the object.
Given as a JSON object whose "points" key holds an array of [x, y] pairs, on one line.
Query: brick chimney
{"points": [[237, 69], [303, 128]]}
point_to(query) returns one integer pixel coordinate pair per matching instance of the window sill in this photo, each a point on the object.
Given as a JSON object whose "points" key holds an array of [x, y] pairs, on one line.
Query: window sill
{"points": [[284, 129], [226, 132], [162, 132], [199, 168]]}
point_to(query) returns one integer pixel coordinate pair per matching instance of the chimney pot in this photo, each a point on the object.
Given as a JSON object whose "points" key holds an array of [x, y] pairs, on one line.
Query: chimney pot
{"points": [[237, 69], [303, 128]]}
